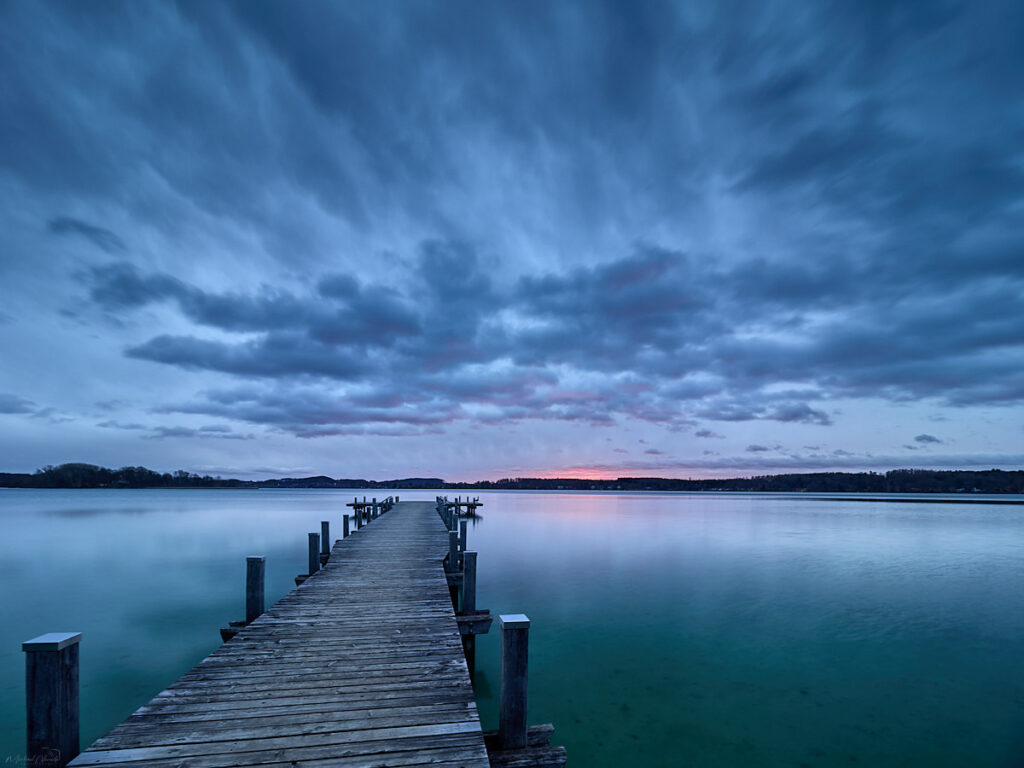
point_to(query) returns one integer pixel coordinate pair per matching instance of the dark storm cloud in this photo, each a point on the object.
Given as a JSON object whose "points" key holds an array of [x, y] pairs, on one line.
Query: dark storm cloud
{"points": [[114, 424], [924, 438], [706, 433], [824, 201], [102, 238], [15, 404], [521, 349], [162, 433]]}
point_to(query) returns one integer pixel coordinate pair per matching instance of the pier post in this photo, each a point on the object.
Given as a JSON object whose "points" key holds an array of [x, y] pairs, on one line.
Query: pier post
{"points": [[515, 639], [373, 515], [453, 551], [325, 537], [255, 569], [314, 553], [462, 542], [469, 606], [51, 698], [468, 583], [344, 527], [396, 499], [453, 566]]}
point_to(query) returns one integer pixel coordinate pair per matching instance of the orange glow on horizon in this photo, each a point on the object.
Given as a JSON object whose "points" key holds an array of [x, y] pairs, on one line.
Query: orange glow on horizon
{"points": [[603, 474]]}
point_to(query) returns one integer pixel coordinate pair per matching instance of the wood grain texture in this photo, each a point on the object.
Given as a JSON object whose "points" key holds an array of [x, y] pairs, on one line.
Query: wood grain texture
{"points": [[360, 666]]}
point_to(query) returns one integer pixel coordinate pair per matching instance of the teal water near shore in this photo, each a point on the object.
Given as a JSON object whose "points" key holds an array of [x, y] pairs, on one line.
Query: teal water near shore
{"points": [[668, 630]]}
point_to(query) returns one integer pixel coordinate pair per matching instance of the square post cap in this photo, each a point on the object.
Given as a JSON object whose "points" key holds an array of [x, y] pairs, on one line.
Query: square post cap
{"points": [[52, 641], [256, 558], [514, 621]]}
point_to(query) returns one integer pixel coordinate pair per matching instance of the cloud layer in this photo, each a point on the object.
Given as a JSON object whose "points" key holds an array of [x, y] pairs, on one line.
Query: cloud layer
{"points": [[743, 230]]}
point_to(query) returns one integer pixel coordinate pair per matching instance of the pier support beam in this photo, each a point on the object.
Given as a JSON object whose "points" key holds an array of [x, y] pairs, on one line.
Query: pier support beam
{"points": [[325, 541], [314, 553], [515, 639], [453, 565], [51, 698], [462, 541], [469, 606], [255, 571], [344, 526]]}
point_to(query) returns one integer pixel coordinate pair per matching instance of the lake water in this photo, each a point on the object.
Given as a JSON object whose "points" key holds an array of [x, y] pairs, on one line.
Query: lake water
{"points": [[668, 630]]}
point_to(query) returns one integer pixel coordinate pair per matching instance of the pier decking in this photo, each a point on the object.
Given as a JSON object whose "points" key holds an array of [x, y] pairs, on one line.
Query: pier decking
{"points": [[362, 665]]}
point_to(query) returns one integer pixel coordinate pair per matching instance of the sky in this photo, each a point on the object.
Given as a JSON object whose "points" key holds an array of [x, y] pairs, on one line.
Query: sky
{"points": [[477, 240]]}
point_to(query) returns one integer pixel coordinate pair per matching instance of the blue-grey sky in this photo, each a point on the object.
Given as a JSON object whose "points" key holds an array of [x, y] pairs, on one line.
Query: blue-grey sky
{"points": [[476, 239]]}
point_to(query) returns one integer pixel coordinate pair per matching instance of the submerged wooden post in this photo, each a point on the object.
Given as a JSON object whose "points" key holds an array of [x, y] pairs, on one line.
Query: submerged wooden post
{"points": [[515, 639], [255, 569], [344, 527], [314, 553], [462, 541], [51, 698], [325, 537]]}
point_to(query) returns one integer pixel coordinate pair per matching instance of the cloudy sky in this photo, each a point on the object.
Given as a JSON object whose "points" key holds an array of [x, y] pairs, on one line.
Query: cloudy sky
{"points": [[478, 240]]}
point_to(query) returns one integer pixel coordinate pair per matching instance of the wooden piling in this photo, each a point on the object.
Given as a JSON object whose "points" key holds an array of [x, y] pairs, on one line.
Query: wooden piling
{"points": [[255, 571], [469, 606], [314, 553], [469, 583], [325, 537], [462, 541], [344, 526], [51, 698], [515, 638], [453, 551], [453, 566]]}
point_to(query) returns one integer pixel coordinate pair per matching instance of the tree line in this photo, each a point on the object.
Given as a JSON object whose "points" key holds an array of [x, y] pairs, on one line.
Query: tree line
{"points": [[77, 475]]}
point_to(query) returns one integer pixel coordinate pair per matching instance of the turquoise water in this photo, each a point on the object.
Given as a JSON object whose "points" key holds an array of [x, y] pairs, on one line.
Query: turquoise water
{"points": [[668, 630]]}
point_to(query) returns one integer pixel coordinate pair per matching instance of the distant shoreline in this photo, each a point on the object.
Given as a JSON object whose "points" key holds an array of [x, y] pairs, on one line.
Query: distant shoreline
{"points": [[907, 497], [962, 484]]}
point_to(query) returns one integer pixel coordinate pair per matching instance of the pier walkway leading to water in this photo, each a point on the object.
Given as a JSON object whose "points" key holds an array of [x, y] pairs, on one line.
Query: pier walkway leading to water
{"points": [[362, 665]]}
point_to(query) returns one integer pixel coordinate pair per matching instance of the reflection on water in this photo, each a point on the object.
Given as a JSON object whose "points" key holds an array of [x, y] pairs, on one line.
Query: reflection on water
{"points": [[667, 630], [97, 511]]}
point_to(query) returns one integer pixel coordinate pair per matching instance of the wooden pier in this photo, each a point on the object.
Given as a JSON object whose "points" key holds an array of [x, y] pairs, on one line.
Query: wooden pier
{"points": [[364, 664]]}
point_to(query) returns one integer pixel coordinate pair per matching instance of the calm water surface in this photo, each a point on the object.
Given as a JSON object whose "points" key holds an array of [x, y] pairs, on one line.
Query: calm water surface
{"points": [[668, 630]]}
